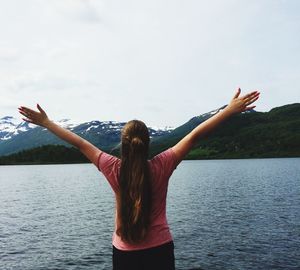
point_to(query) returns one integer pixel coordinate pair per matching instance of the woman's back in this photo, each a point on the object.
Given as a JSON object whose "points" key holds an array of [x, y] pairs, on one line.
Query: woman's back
{"points": [[161, 168]]}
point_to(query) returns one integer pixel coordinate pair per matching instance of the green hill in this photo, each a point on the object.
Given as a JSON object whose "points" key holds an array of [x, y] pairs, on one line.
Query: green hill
{"points": [[46, 154], [272, 134], [248, 135]]}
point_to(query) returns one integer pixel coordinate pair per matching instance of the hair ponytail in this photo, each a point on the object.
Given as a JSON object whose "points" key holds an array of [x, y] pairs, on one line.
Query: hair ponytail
{"points": [[134, 198]]}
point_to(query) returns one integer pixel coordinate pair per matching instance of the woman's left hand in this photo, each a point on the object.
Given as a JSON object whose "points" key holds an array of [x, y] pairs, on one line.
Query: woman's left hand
{"points": [[39, 118], [241, 104]]}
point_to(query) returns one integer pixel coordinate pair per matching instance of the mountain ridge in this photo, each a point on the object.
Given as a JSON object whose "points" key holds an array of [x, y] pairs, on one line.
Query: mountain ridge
{"points": [[251, 134], [102, 133]]}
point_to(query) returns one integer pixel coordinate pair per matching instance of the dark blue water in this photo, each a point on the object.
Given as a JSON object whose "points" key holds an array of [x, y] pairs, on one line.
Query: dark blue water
{"points": [[223, 214]]}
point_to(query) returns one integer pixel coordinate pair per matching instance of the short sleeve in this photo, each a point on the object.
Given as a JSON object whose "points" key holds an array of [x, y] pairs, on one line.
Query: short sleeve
{"points": [[109, 165], [166, 162]]}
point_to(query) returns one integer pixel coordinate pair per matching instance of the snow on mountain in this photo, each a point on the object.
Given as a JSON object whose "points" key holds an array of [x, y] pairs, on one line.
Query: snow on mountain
{"points": [[67, 123], [211, 113], [106, 134], [166, 128], [10, 126]]}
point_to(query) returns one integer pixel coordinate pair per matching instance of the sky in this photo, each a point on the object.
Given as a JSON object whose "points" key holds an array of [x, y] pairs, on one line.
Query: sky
{"points": [[159, 61]]}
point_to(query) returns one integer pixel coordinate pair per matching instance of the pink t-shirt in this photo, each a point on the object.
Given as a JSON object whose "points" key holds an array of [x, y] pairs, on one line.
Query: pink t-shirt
{"points": [[161, 167]]}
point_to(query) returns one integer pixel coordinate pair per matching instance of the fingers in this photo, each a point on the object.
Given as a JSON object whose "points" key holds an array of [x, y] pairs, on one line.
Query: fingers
{"points": [[238, 91], [249, 95], [40, 108], [22, 112], [28, 113], [28, 110], [25, 112], [251, 99]]}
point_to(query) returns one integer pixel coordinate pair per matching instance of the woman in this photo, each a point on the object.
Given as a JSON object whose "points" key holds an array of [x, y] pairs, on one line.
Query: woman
{"points": [[141, 239]]}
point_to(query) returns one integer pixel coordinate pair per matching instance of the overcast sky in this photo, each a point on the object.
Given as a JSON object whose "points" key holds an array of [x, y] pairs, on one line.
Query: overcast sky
{"points": [[159, 61]]}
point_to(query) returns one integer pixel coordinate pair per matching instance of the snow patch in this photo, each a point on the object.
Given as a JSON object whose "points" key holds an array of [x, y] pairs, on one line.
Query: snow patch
{"points": [[165, 128], [89, 128]]}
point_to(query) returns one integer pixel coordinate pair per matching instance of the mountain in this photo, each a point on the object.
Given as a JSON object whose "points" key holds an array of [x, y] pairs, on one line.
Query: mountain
{"points": [[254, 135], [10, 127], [178, 133], [105, 135], [247, 135]]}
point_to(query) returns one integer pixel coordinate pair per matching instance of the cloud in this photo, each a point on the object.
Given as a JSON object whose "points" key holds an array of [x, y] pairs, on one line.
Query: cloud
{"points": [[8, 54], [155, 59], [8, 104], [82, 10], [40, 83]]}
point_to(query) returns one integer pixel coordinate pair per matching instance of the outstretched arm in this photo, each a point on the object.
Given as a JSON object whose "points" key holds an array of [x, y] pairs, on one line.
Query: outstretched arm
{"points": [[236, 105], [40, 118]]}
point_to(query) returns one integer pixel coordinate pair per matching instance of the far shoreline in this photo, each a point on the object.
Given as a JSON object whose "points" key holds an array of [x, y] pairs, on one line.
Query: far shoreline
{"points": [[202, 159]]}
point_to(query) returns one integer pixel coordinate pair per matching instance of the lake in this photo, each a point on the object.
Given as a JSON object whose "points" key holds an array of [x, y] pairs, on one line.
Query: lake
{"points": [[223, 214]]}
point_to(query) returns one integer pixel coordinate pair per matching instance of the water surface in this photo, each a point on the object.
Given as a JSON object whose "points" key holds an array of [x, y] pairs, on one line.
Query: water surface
{"points": [[223, 214]]}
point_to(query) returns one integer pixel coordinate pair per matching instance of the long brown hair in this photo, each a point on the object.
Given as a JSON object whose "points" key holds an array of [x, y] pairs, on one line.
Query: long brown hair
{"points": [[134, 197]]}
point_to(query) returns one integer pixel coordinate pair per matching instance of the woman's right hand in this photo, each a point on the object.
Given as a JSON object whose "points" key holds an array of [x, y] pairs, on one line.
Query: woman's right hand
{"points": [[241, 104], [38, 118]]}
